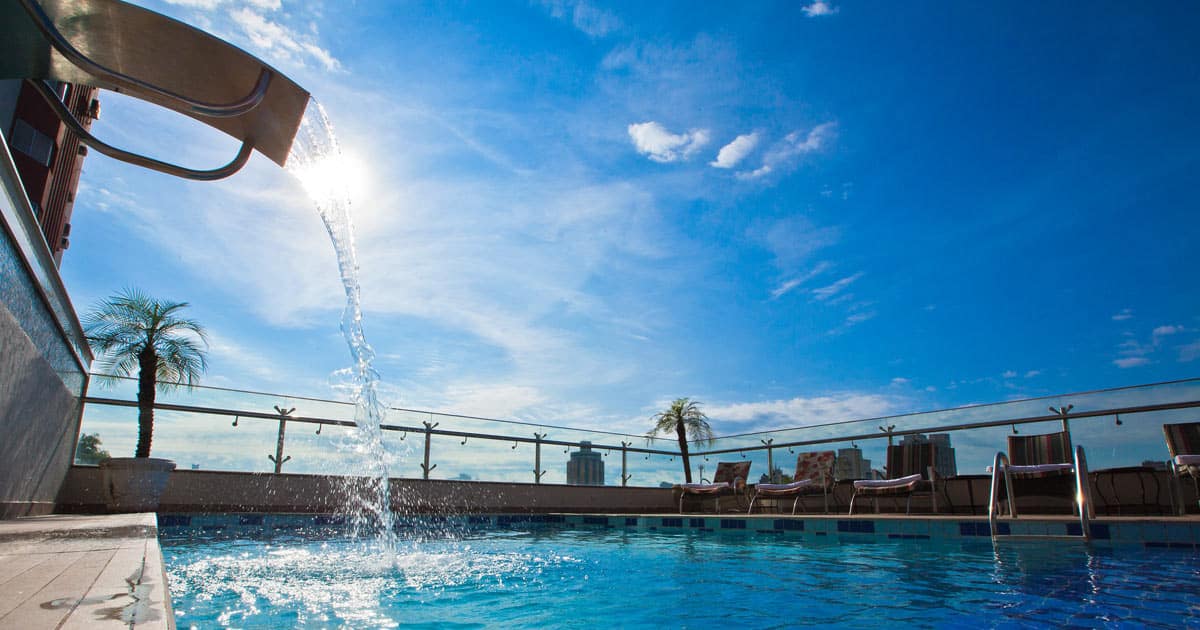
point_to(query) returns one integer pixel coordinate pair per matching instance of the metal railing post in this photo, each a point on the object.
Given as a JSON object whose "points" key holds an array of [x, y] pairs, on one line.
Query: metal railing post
{"points": [[537, 457], [278, 457], [625, 462], [1062, 416], [425, 468], [770, 461]]}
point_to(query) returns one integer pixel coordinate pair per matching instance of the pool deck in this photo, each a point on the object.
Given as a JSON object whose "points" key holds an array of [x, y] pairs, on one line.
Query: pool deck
{"points": [[83, 572]]}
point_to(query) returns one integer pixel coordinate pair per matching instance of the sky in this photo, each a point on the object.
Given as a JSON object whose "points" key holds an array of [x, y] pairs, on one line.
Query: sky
{"points": [[573, 212]]}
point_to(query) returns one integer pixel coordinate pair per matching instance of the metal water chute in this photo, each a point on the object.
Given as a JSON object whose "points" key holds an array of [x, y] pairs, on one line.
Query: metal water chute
{"points": [[123, 48]]}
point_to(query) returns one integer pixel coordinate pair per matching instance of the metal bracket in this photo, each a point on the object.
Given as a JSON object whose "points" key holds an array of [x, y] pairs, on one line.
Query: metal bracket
{"points": [[86, 64], [128, 157]]}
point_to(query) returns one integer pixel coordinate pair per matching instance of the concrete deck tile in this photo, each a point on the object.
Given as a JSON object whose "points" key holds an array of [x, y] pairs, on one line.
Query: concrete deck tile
{"points": [[14, 565], [33, 580], [83, 572]]}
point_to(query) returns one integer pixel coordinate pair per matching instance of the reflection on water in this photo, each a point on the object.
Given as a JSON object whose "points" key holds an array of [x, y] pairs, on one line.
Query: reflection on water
{"points": [[613, 578]]}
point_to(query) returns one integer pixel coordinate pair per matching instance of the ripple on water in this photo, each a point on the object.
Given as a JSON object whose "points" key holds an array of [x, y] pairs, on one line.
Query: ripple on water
{"points": [[645, 579]]}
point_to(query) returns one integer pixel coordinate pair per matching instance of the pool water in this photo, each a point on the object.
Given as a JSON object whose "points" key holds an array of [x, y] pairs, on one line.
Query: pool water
{"points": [[629, 579]]}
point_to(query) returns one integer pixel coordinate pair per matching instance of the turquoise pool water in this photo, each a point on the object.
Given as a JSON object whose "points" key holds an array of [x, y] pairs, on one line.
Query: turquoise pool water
{"points": [[577, 578]]}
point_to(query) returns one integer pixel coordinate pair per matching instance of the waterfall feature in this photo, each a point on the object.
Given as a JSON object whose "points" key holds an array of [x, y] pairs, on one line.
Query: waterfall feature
{"points": [[317, 161]]}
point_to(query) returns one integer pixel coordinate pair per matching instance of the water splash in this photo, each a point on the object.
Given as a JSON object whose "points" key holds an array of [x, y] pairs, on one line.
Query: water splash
{"points": [[316, 159]]}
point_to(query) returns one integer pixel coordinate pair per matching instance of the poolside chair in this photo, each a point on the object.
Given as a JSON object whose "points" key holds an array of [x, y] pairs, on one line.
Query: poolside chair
{"points": [[1183, 440], [1042, 465], [913, 467], [730, 478], [814, 473]]}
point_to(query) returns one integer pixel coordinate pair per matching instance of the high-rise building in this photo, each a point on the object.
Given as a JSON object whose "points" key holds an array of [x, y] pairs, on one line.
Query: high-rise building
{"points": [[851, 465], [48, 155], [586, 467], [945, 462]]}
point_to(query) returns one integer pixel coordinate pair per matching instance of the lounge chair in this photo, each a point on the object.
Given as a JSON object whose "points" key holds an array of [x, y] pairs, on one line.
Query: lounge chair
{"points": [[1183, 440], [730, 478], [814, 473], [1041, 464], [913, 465]]}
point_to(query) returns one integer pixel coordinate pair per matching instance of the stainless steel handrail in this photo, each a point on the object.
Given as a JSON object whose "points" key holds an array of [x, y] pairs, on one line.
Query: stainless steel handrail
{"points": [[1191, 404], [128, 157], [1083, 493], [999, 463], [86, 64]]}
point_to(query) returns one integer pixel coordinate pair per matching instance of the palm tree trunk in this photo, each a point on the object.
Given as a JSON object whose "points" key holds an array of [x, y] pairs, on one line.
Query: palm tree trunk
{"points": [[147, 370], [683, 451]]}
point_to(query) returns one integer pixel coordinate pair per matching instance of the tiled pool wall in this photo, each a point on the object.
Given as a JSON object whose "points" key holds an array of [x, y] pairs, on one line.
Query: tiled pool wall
{"points": [[1145, 532]]}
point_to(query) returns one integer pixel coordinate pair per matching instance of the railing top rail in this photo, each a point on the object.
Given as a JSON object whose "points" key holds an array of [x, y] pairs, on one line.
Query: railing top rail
{"points": [[962, 409], [442, 414], [974, 407], [387, 427], [629, 447]]}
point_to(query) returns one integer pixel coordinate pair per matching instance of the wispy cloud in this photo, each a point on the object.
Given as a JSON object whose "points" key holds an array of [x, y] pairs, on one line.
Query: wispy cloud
{"points": [[855, 318], [1189, 352], [800, 411], [791, 284], [279, 42], [735, 151], [657, 143], [582, 15], [1163, 331], [819, 8], [828, 291], [793, 146], [1123, 315], [1129, 362]]}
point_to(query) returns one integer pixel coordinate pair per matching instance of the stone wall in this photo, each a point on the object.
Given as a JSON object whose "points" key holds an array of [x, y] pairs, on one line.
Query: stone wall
{"points": [[1116, 492], [39, 422], [216, 491]]}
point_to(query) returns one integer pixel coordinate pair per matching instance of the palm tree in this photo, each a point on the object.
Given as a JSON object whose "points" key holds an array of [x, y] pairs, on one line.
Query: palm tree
{"points": [[686, 420], [132, 330]]}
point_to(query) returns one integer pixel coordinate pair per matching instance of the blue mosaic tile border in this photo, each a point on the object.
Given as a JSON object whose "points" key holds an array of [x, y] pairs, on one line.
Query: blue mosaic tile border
{"points": [[1164, 533]]}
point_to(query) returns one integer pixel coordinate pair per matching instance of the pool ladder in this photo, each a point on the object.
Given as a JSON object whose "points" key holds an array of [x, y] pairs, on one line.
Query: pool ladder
{"points": [[1083, 498]]}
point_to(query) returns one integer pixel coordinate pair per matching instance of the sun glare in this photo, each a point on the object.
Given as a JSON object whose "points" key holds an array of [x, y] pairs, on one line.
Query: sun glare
{"points": [[334, 177]]}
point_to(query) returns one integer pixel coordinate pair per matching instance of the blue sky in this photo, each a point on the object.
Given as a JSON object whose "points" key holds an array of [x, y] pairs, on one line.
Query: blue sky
{"points": [[573, 212]]}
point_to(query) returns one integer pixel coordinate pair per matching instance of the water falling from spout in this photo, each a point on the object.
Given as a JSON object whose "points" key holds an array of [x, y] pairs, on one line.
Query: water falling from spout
{"points": [[316, 160]]}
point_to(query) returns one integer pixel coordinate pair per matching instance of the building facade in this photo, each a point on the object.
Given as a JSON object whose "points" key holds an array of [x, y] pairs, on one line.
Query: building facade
{"points": [[48, 155], [586, 467], [851, 465], [945, 462]]}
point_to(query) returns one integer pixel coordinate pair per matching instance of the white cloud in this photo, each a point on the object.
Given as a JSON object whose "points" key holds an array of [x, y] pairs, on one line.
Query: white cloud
{"points": [[196, 4], [793, 146], [278, 41], [1032, 373], [1009, 374], [819, 8], [1190, 352], [805, 411], [735, 151], [899, 381], [588, 19], [1129, 362], [1163, 331], [826, 292], [1123, 315], [791, 284], [654, 141]]}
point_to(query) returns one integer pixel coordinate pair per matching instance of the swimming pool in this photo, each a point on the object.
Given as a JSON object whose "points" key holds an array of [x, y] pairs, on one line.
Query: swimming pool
{"points": [[522, 573]]}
